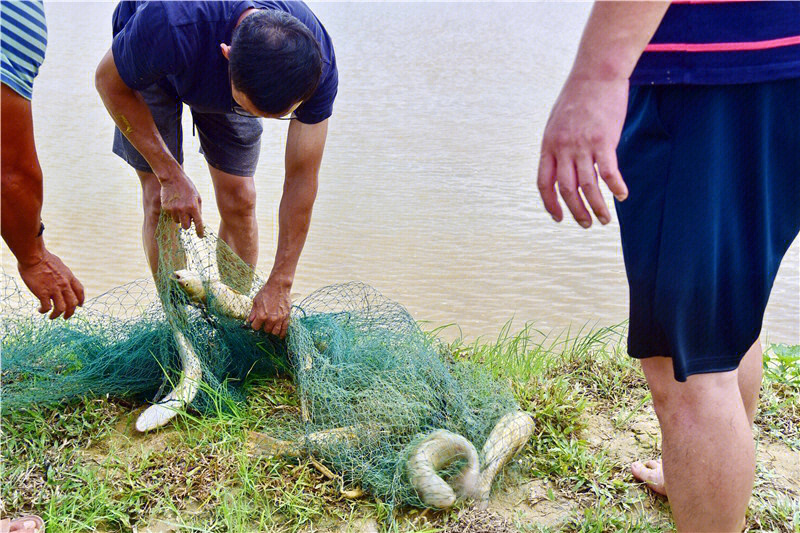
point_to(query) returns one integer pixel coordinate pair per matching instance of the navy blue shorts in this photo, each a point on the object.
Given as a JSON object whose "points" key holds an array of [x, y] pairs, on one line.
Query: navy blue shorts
{"points": [[229, 142], [714, 179]]}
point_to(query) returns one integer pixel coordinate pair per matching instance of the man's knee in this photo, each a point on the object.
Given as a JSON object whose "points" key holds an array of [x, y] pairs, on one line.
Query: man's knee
{"points": [[151, 195], [237, 203], [152, 208], [683, 402]]}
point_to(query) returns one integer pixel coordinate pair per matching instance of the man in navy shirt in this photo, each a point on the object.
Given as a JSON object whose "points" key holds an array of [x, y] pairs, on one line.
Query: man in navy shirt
{"points": [[694, 105], [232, 63]]}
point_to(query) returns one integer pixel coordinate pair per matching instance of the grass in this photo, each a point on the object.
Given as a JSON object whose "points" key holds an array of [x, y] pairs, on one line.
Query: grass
{"points": [[83, 468], [780, 401]]}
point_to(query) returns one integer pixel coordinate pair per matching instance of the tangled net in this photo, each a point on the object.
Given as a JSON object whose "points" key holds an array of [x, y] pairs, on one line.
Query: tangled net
{"points": [[381, 406]]}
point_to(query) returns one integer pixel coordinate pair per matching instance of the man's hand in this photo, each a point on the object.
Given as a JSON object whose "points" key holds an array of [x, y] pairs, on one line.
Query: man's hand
{"points": [[579, 143], [581, 137], [271, 308], [181, 201], [50, 279]]}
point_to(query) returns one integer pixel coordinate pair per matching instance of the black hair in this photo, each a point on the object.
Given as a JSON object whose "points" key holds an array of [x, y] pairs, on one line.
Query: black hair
{"points": [[275, 60]]}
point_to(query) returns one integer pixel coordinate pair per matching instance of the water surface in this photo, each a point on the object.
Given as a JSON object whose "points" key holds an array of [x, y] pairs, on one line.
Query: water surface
{"points": [[427, 186]]}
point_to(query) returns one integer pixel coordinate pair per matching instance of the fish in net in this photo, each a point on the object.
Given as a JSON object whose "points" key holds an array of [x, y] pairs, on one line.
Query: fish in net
{"points": [[381, 406]]}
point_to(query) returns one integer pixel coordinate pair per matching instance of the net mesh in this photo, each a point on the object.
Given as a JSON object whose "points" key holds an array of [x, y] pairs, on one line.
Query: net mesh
{"points": [[373, 387]]}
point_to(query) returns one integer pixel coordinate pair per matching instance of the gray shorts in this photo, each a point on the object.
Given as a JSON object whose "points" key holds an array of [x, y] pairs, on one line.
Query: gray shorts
{"points": [[229, 142]]}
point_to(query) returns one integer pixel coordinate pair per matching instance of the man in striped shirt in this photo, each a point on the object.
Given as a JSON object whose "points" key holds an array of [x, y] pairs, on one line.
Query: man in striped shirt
{"points": [[704, 161], [23, 39]]}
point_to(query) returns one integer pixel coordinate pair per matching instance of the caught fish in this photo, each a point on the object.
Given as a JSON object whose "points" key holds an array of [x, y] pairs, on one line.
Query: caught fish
{"points": [[507, 438], [437, 451], [264, 444], [191, 283], [433, 454], [230, 303], [226, 300], [159, 414]]}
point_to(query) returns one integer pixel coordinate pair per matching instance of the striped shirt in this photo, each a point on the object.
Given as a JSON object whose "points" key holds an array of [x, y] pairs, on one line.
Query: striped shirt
{"points": [[23, 40], [713, 42]]}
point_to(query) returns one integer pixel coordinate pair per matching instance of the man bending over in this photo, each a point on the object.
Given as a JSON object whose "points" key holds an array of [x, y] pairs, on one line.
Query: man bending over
{"points": [[232, 63]]}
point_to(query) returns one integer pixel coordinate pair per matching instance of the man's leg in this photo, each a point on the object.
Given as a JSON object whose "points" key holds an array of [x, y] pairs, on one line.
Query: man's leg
{"points": [[236, 201], [231, 145], [707, 446], [749, 376], [151, 204], [750, 372]]}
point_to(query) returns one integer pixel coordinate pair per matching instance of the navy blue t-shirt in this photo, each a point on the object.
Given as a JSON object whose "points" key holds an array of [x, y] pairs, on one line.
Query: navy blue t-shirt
{"points": [[176, 45], [716, 42]]}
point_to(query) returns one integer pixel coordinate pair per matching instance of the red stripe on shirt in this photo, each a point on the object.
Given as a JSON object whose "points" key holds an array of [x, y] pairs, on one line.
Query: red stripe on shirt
{"points": [[708, 1], [723, 47]]}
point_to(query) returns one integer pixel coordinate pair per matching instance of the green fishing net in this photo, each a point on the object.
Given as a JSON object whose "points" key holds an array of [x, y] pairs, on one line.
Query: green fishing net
{"points": [[372, 385]]}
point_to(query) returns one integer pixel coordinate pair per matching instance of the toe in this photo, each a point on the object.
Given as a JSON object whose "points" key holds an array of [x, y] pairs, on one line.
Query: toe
{"points": [[27, 524], [649, 473], [639, 470]]}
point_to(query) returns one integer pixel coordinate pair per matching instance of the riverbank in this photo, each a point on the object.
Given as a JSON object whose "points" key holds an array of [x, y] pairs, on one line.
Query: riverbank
{"points": [[84, 468]]}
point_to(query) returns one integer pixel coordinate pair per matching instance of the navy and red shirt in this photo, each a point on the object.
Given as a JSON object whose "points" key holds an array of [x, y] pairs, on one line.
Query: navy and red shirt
{"points": [[723, 42], [177, 45]]}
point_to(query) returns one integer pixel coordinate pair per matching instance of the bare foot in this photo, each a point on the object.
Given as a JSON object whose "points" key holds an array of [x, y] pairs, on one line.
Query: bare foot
{"points": [[26, 524], [651, 473]]}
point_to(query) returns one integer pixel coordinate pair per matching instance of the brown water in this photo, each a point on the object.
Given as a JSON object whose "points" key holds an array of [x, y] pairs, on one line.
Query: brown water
{"points": [[427, 186]]}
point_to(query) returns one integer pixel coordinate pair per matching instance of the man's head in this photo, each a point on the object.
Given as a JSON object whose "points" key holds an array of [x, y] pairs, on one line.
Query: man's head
{"points": [[275, 63]]}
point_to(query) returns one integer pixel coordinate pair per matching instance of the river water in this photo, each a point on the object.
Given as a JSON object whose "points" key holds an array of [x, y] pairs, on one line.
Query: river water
{"points": [[427, 185]]}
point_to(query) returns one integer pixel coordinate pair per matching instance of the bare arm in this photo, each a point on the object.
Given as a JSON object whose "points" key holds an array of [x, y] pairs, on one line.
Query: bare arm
{"points": [[586, 121], [22, 181], [179, 197], [304, 148], [615, 36], [22, 186]]}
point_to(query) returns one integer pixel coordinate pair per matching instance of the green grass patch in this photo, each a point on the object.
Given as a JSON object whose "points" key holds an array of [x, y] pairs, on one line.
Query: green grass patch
{"points": [[83, 468]]}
